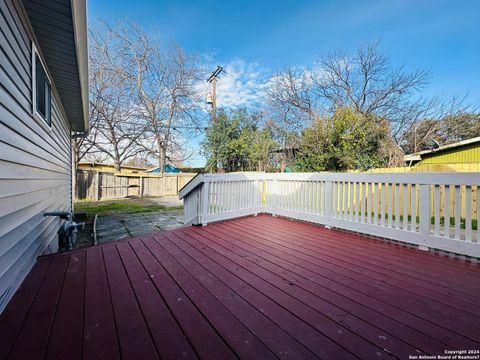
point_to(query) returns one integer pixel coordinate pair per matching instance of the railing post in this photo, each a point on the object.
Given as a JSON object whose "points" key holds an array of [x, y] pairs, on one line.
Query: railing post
{"points": [[424, 210], [328, 199], [204, 204], [273, 196], [257, 196]]}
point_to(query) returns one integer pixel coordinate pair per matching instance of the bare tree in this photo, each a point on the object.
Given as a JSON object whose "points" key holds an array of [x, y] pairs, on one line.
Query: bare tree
{"points": [[290, 92], [163, 81], [113, 122], [366, 82]]}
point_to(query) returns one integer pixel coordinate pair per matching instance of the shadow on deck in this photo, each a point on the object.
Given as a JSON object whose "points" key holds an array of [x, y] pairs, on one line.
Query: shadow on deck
{"points": [[254, 288]]}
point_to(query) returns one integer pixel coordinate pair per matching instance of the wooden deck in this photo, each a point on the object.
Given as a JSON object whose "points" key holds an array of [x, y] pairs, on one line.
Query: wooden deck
{"points": [[251, 288]]}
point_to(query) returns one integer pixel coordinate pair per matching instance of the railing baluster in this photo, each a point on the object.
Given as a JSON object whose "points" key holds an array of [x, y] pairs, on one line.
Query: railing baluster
{"points": [[457, 212], [307, 197], [478, 213], [219, 197], [468, 213], [446, 212], [390, 204], [363, 199], [351, 208], [413, 223], [322, 198], [397, 206], [382, 204], [334, 199], [357, 203], [304, 196], [375, 203], [313, 204], [436, 206], [288, 195], [222, 196], [368, 202], [405, 207]]}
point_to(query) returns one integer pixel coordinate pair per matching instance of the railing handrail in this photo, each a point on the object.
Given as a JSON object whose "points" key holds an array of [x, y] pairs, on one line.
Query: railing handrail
{"points": [[466, 178], [190, 186]]}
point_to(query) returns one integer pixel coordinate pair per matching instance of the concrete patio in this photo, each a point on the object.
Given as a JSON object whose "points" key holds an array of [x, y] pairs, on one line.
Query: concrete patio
{"points": [[121, 226]]}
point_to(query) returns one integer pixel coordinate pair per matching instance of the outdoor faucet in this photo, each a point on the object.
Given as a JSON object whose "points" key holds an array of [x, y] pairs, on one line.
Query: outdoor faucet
{"points": [[67, 234]]}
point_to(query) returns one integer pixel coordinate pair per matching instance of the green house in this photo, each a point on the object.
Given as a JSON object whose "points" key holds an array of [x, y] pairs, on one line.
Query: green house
{"points": [[462, 152]]}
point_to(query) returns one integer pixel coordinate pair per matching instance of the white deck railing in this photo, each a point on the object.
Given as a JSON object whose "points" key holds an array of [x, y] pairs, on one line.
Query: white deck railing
{"points": [[408, 207]]}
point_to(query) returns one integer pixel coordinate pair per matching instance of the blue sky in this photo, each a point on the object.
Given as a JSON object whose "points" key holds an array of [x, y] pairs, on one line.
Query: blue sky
{"points": [[253, 39]]}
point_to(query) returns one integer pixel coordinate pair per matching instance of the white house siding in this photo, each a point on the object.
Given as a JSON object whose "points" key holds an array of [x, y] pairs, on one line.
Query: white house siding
{"points": [[35, 164]]}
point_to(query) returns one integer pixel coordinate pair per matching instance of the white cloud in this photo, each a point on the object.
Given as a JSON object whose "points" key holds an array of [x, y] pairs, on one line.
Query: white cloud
{"points": [[242, 84]]}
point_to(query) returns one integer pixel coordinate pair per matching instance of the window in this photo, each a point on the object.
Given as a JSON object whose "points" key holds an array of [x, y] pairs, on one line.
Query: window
{"points": [[42, 92]]}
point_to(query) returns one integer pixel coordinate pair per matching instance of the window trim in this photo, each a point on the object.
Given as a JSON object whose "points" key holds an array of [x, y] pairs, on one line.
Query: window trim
{"points": [[36, 115]]}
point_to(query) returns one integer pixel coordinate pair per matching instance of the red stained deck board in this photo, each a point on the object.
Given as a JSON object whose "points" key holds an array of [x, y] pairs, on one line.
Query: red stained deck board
{"points": [[442, 314], [277, 340], [169, 338], [68, 344], [100, 334], [402, 256], [243, 288], [240, 339], [399, 264], [11, 321], [303, 322], [289, 281], [349, 289], [133, 334], [32, 340], [290, 285], [203, 337], [374, 269]]}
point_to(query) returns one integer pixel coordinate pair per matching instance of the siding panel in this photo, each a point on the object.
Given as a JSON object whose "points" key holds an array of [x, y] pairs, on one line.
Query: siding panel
{"points": [[35, 164]]}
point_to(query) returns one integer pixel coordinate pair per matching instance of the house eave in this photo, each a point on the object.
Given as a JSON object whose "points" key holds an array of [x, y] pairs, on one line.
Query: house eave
{"points": [[60, 29], [79, 14]]}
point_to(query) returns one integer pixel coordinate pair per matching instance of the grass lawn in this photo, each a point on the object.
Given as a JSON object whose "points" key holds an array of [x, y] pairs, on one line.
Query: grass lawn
{"points": [[120, 206]]}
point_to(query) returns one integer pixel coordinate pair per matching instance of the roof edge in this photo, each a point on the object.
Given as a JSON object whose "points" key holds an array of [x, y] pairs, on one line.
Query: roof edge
{"points": [[79, 18], [413, 156]]}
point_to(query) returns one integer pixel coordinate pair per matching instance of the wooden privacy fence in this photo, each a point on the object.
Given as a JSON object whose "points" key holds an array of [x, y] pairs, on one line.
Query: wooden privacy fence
{"points": [[103, 185], [419, 208]]}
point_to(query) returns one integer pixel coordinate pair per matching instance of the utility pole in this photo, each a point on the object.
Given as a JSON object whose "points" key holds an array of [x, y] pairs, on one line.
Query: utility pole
{"points": [[213, 99]]}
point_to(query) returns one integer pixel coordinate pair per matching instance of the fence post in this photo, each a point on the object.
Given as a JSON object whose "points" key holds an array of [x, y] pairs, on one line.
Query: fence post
{"points": [[97, 186], [141, 186], [424, 210]]}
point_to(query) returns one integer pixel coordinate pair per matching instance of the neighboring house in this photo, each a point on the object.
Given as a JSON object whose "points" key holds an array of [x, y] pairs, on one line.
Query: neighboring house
{"points": [[43, 99], [169, 169], [94, 166], [460, 153]]}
